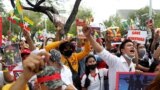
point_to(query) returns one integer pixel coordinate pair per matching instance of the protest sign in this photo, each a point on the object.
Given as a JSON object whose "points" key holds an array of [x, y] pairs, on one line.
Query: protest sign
{"points": [[137, 35], [115, 34], [132, 81], [95, 29], [12, 54], [79, 26]]}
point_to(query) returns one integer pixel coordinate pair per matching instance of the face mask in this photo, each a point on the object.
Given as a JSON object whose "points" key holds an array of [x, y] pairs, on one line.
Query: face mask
{"points": [[128, 57], [68, 53], [91, 53], [142, 53], [92, 67]]}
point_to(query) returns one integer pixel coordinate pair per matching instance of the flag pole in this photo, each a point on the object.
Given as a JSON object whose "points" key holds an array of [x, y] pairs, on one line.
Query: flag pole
{"points": [[21, 28], [150, 9]]}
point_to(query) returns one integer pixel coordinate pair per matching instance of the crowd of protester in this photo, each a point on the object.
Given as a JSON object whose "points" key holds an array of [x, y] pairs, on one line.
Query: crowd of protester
{"points": [[74, 64]]}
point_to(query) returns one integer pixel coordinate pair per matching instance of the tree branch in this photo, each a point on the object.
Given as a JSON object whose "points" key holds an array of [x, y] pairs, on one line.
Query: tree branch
{"points": [[72, 16], [29, 8], [39, 3], [53, 10], [12, 3], [30, 3], [50, 16]]}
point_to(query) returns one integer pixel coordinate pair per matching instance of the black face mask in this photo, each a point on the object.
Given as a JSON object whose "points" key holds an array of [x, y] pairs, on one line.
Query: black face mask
{"points": [[92, 67], [68, 53]]}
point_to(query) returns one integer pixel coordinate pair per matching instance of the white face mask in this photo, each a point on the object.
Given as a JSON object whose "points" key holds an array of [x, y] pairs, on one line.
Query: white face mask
{"points": [[91, 53], [128, 57]]}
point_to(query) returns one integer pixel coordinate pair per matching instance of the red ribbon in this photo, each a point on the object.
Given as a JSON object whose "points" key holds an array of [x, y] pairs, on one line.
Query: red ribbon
{"points": [[55, 76]]}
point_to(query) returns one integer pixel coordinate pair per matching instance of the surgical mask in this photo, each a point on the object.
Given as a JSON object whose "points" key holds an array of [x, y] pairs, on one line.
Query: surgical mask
{"points": [[128, 57], [91, 53], [142, 53]]}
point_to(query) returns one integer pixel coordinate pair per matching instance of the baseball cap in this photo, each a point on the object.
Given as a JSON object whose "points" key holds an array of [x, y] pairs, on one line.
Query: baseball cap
{"points": [[55, 56]]}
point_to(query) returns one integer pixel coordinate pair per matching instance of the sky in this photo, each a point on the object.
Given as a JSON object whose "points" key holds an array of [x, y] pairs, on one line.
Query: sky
{"points": [[102, 9]]}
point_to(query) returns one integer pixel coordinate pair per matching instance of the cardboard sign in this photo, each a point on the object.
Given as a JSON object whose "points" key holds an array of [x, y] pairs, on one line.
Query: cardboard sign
{"points": [[132, 81], [79, 25], [114, 33], [12, 54], [137, 35]]}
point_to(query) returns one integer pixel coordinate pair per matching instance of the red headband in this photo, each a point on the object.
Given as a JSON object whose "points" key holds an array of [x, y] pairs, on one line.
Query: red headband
{"points": [[55, 76]]}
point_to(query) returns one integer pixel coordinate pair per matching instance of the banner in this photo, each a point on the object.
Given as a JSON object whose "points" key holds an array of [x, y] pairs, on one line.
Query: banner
{"points": [[0, 30], [137, 35], [132, 81]]}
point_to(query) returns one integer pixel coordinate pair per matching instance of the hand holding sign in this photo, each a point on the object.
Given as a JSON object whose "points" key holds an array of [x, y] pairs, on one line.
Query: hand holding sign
{"points": [[86, 31]]}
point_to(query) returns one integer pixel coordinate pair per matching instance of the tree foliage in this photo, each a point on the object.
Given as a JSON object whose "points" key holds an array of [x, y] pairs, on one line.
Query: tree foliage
{"points": [[51, 11], [84, 13], [143, 15], [114, 21]]}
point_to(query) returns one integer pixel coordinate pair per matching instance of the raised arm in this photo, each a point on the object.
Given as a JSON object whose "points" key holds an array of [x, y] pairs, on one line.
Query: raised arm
{"points": [[109, 58], [32, 65], [96, 46], [108, 42], [29, 40], [155, 39], [156, 53], [85, 52], [53, 45]]}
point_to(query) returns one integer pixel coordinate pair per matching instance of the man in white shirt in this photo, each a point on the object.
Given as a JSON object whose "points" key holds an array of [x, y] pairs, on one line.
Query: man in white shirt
{"points": [[116, 64]]}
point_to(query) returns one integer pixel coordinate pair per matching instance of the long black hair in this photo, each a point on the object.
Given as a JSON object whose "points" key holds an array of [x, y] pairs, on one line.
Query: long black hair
{"points": [[87, 71]]}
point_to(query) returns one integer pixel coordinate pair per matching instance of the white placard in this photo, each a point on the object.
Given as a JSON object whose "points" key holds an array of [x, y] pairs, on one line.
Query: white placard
{"points": [[137, 35]]}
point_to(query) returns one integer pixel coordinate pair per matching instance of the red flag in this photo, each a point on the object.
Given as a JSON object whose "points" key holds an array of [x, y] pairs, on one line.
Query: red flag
{"points": [[12, 20], [24, 26], [0, 31]]}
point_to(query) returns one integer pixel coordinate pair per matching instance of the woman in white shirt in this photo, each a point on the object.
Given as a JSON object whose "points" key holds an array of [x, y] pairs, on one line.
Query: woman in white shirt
{"points": [[93, 79]]}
